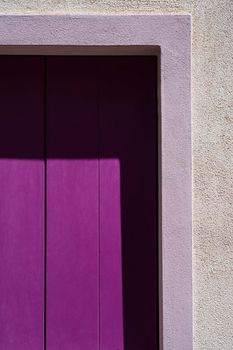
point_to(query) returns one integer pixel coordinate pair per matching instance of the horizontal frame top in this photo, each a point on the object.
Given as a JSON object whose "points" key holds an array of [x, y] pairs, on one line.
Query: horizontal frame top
{"points": [[94, 30], [80, 50]]}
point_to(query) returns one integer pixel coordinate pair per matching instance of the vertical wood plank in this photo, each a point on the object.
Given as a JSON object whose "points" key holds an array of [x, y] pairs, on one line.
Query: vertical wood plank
{"points": [[128, 230], [111, 299], [21, 203], [72, 206]]}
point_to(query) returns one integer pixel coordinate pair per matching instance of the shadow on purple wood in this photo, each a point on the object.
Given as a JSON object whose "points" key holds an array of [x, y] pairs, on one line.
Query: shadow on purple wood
{"points": [[122, 93], [129, 129], [21, 203], [126, 120]]}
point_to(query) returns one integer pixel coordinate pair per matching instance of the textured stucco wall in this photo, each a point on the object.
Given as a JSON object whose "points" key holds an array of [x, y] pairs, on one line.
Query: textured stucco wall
{"points": [[212, 147]]}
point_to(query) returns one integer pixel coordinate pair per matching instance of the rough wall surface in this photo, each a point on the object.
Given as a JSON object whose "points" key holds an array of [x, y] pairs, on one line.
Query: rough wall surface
{"points": [[212, 78]]}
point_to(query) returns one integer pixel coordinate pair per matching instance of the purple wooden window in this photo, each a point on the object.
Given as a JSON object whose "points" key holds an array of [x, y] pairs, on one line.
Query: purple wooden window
{"points": [[78, 219]]}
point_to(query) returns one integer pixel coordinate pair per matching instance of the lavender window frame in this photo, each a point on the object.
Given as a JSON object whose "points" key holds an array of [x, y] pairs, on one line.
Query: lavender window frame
{"points": [[168, 37]]}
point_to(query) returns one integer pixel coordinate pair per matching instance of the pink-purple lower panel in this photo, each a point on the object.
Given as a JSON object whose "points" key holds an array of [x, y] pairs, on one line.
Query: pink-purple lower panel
{"points": [[21, 254], [72, 255], [111, 297]]}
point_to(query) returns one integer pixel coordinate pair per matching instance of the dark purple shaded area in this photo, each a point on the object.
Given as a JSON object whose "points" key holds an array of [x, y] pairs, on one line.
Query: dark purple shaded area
{"points": [[109, 112], [21, 107], [128, 132]]}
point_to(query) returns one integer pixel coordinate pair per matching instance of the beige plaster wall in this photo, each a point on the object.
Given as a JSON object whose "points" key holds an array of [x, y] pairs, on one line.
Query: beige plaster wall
{"points": [[212, 147]]}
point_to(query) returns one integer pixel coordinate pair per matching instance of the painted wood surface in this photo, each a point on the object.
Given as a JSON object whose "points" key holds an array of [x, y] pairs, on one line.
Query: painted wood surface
{"points": [[100, 177], [101, 208], [111, 293], [72, 207], [21, 203], [128, 119], [72, 255]]}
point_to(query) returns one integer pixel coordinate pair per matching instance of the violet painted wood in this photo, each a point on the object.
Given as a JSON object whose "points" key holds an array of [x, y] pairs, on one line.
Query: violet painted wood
{"points": [[72, 255], [72, 207], [102, 290], [128, 143], [111, 291], [21, 203], [101, 183]]}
